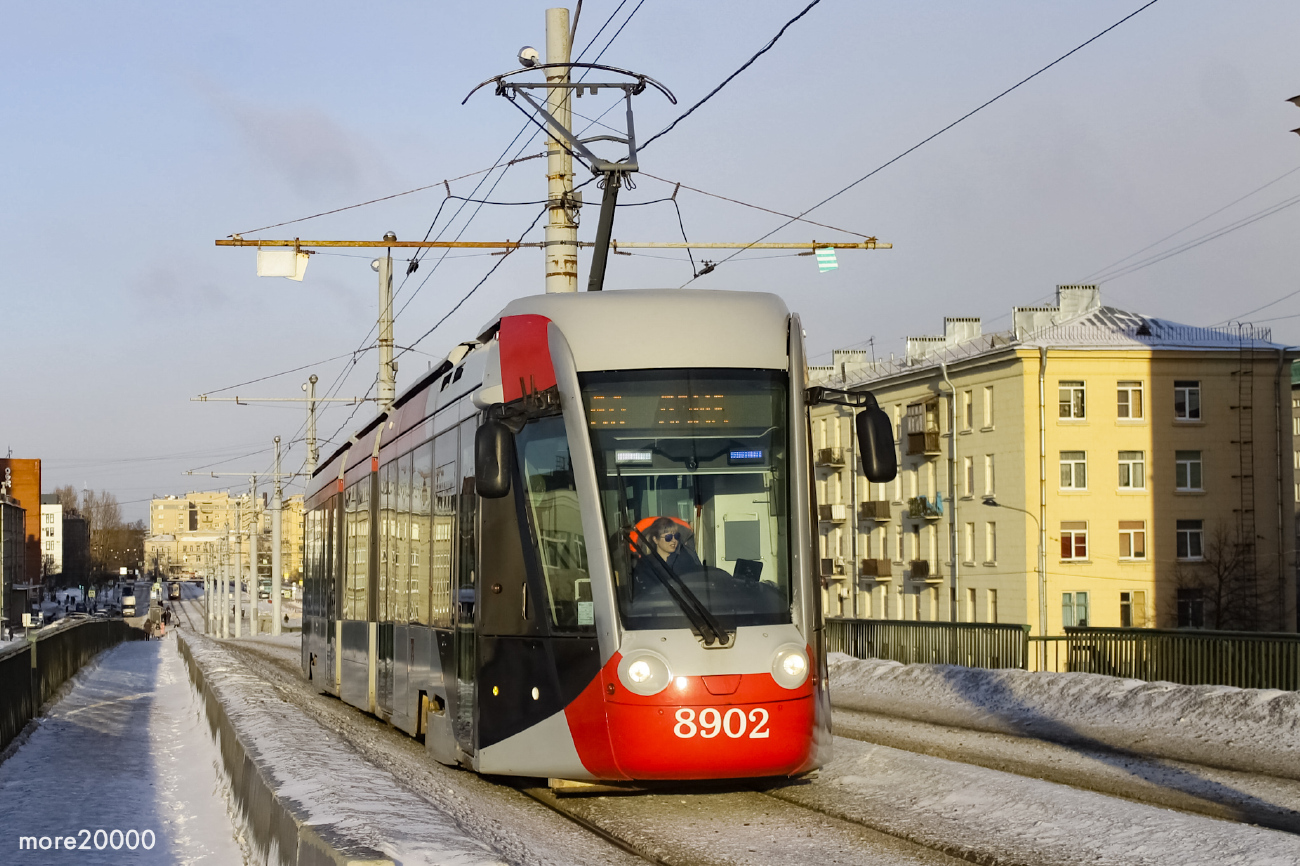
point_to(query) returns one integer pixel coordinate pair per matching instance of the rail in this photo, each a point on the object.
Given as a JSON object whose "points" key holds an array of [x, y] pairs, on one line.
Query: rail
{"points": [[976, 645]]}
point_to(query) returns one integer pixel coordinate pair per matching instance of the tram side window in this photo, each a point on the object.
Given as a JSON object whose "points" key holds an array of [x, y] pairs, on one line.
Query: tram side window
{"points": [[311, 572], [444, 527], [356, 599], [421, 528], [387, 522], [335, 541], [556, 522], [401, 564]]}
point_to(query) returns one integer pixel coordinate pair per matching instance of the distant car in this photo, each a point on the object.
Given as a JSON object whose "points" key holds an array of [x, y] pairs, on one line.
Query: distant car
{"points": [[79, 607]]}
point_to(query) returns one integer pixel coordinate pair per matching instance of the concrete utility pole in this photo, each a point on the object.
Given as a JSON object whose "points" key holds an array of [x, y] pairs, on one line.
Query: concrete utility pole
{"points": [[239, 575], [277, 509], [253, 584], [387, 388], [561, 252], [313, 452], [225, 584]]}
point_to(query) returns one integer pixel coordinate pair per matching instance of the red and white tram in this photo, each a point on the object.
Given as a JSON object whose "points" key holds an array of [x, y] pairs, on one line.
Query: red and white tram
{"points": [[583, 547]]}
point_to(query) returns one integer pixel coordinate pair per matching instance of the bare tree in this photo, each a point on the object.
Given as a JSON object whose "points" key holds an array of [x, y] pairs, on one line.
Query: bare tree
{"points": [[1223, 589], [68, 498]]}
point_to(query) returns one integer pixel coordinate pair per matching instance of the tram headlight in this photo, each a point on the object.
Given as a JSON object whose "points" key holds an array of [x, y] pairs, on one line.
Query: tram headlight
{"points": [[644, 673], [790, 666]]}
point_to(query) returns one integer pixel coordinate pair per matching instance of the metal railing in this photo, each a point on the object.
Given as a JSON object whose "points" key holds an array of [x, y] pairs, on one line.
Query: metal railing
{"points": [[1248, 660], [975, 645]]}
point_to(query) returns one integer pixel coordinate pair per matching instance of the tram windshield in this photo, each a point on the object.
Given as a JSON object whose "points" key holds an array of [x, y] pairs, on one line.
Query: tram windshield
{"points": [[694, 490]]}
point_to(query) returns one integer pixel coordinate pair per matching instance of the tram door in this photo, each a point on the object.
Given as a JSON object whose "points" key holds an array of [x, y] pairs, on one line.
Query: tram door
{"points": [[465, 590]]}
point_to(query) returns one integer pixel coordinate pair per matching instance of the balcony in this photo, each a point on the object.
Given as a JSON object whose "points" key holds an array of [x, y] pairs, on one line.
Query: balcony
{"points": [[833, 569], [833, 513], [926, 443], [919, 507], [921, 570], [830, 456], [880, 569], [877, 510]]}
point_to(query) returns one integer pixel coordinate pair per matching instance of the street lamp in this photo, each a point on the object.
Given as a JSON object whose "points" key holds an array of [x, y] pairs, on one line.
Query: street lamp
{"points": [[1042, 578]]}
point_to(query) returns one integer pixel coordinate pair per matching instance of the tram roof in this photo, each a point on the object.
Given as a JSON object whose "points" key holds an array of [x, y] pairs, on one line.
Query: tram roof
{"points": [[631, 329]]}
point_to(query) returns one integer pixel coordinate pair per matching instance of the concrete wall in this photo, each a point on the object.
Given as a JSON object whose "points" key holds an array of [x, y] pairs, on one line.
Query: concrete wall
{"points": [[32, 672]]}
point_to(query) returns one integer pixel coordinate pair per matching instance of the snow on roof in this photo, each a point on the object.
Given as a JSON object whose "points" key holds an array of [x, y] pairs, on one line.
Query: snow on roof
{"points": [[1111, 327], [1078, 320]]}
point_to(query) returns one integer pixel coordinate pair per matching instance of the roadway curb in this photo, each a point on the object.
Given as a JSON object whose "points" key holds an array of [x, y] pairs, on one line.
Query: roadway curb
{"points": [[277, 826]]}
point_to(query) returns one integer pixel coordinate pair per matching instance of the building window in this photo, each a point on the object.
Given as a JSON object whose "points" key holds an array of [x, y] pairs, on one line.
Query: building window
{"points": [[968, 544], [1191, 608], [972, 611], [1074, 540], [1074, 609], [1133, 609], [1132, 470], [1074, 470], [901, 542], [990, 542], [967, 410], [988, 406], [1187, 401], [1191, 540], [1132, 539], [968, 476], [1187, 470], [1071, 400], [1130, 400], [993, 606], [988, 474]]}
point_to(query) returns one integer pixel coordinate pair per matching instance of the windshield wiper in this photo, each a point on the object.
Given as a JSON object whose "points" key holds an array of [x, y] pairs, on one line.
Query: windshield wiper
{"points": [[702, 619]]}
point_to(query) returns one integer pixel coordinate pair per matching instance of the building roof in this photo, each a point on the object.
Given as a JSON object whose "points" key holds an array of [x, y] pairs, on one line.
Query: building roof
{"points": [[1077, 321]]}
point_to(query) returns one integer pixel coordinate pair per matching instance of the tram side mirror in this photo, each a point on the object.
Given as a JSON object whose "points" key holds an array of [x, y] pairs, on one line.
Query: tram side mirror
{"points": [[876, 444], [492, 459]]}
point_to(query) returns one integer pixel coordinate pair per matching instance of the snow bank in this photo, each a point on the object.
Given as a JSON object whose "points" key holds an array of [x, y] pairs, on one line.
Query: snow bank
{"points": [[1252, 730], [305, 796]]}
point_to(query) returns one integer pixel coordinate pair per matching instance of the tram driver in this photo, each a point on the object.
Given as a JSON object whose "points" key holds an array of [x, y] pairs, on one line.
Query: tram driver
{"points": [[665, 539]]}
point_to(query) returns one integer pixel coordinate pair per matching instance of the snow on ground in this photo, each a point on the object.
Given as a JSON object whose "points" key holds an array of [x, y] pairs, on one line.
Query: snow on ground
{"points": [[1250, 730], [125, 749], [332, 788], [994, 817]]}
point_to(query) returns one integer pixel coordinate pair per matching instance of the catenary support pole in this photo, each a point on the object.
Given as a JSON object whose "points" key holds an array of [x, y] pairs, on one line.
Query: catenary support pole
{"points": [[255, 529], [387, 386], [225, 585], [238, 610], [313, 455], [561, 253], [277, 570]]}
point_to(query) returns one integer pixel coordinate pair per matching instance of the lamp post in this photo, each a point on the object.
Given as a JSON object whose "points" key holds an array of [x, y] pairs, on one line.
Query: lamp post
{"points": [[1042, 578]]}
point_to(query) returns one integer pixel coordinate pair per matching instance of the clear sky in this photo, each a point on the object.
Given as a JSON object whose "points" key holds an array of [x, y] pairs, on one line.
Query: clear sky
{"points": [[137, 133]]}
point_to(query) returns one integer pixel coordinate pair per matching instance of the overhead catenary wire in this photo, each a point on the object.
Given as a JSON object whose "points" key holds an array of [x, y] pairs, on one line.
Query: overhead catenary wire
{"points": [[766, 48], [342, 376], [1190, 225], [842, 190], [1215, 234]]}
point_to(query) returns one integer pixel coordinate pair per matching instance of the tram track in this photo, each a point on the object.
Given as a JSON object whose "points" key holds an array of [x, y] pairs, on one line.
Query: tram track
{"points": [[689, 825], [866, 808]]}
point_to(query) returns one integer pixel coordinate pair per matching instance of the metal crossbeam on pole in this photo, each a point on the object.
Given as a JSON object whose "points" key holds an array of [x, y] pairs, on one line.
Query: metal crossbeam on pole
{"points": [[868, 244]]}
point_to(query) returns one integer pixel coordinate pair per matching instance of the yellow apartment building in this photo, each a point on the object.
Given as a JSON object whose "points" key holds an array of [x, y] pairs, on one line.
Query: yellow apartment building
{"points": [[1149, 462], [187, 533]]}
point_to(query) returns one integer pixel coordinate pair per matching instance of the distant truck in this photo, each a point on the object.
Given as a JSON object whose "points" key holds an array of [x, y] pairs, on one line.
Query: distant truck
{"points": [[128, 605]]}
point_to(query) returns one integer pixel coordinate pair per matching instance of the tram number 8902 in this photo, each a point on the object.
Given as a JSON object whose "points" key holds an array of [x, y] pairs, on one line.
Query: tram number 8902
{"points": [[734, 723]]}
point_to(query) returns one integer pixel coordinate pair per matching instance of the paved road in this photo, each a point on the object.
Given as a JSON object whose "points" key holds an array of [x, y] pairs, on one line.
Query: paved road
{"points": [[125, 749]]}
